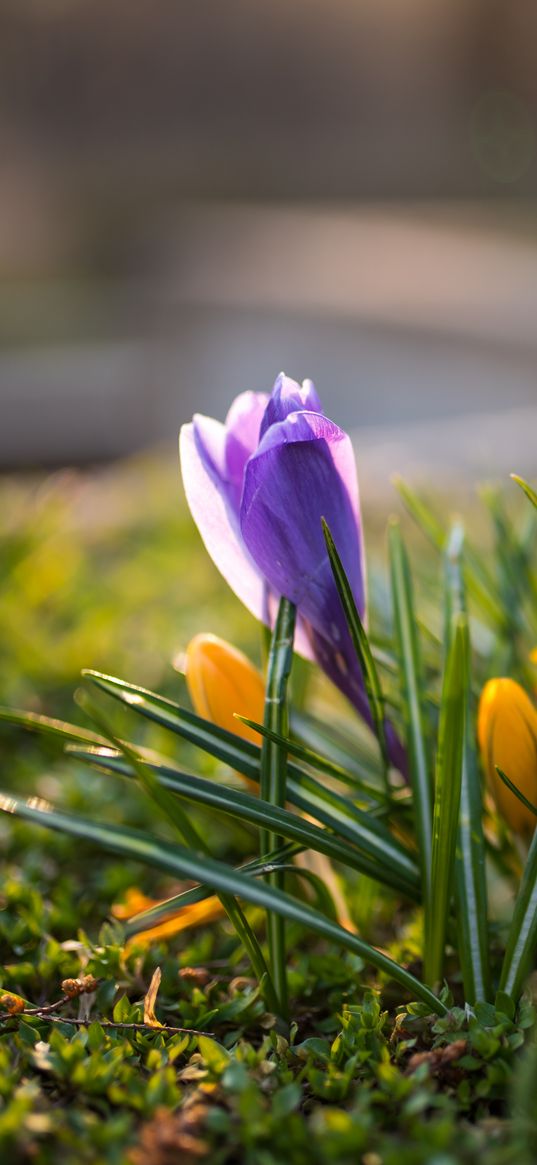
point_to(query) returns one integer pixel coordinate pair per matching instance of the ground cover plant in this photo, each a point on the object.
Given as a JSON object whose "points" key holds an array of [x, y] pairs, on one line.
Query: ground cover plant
{"points": [[264, 922]]}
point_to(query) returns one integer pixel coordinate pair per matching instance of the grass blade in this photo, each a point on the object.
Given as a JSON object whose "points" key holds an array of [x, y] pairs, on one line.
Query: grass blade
{"points": [[314, 759], [470, 880], [391, 864], [180, 862], [273, 772], [449, 766], [363, 651], [479, 582], [172, 808], [35, 722], [409, 662], [246, 807], [526, 487], [350, 750], [303, 790], [522, 938], [172, 906], [514, 789]]}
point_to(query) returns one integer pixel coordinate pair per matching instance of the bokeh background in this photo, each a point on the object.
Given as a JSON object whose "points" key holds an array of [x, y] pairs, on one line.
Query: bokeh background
{"points": [[195, 195]]}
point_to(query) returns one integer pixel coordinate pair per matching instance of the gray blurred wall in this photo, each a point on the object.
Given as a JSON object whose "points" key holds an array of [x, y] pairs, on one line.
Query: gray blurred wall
{"points": [[194, 195]]}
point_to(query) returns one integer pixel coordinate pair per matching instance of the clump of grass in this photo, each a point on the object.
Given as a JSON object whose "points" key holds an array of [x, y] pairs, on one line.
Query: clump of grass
{"points": [[429, 994]]}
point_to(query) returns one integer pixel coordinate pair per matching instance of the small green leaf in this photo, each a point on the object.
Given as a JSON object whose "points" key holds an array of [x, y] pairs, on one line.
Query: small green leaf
{"points": [[216, 1057]]}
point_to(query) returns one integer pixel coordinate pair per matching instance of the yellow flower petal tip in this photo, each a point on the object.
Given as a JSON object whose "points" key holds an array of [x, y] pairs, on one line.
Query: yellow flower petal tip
{"points": [[197, 914], [533, 656], [134, 902], [507, 736], [222, 681]]}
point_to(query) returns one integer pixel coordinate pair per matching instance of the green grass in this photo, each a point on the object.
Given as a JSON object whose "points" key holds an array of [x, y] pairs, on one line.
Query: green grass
{"points": [[105, 571]]}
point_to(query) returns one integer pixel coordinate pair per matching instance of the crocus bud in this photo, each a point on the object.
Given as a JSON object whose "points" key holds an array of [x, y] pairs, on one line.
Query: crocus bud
{"points": [[222, 681], [507, 734]]}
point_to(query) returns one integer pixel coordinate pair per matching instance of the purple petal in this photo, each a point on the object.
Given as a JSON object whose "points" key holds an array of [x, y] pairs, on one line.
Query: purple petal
{"points": [[289, 397], [203, 450], [242, 424], [203, 467], [304, 470]]}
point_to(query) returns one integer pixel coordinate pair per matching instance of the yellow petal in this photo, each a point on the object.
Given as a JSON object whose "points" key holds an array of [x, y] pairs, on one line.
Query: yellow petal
{"points": [[134, 903], [198, 914], [507, 735], [222, 681]]}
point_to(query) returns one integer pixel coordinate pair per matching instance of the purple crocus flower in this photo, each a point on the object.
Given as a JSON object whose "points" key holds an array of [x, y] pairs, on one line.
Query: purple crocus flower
{"points": [[257, 487]]}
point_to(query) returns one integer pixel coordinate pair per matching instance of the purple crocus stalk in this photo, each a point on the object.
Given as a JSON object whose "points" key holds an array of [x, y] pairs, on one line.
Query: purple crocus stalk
{"points": [[257, 487]]}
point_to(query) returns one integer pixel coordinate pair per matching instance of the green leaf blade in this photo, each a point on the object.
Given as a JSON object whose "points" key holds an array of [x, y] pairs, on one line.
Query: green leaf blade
{"points": [[410, 666], [363, 651], [181, 862], [449, 768]]}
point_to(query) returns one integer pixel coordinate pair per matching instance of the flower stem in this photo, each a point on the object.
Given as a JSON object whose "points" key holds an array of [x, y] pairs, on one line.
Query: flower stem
{"points": [[273, 778]]}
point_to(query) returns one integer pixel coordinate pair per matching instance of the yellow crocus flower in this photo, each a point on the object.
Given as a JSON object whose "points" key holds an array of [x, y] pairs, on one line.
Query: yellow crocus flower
{"points": [[198, 914], [221, 681], [507, 735]]}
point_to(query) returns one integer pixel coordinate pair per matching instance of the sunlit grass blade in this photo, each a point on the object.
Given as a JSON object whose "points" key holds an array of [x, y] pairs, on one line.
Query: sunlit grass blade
{"points": [[449, 765], [470, 873], [410, 665], [363, 651], [517, 594], [514, 789], [526, 487], [233, 750], [395, 866], [303, 790], [470, 879], [420, 512], [239, 754], [321, 763], [180, 862], [273, 774], [479, 581], [522, 938], [171, 907], [356, 752], [173, 810], [281, 821], [47, 725]]}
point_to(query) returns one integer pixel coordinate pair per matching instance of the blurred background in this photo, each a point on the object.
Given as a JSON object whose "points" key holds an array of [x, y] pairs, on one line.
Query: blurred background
{"points": [[196, 195]]}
